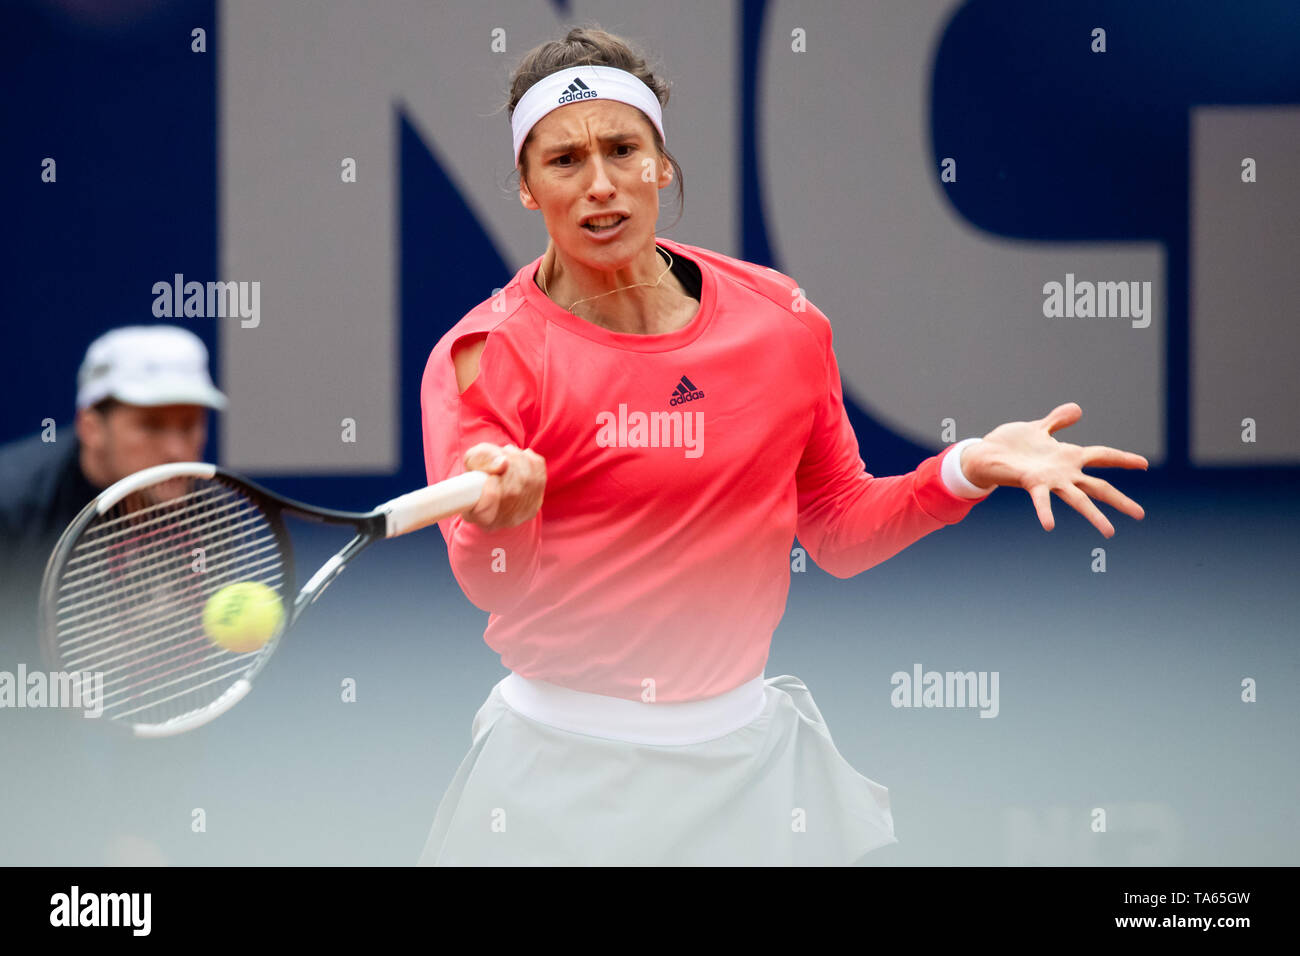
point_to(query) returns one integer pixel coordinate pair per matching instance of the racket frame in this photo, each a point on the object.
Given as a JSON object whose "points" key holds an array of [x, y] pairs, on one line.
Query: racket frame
{"points": [[395, 517]]}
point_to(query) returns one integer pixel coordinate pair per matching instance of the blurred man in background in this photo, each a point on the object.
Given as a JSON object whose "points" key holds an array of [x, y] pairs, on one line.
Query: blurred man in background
{"points": [[143, 394]]}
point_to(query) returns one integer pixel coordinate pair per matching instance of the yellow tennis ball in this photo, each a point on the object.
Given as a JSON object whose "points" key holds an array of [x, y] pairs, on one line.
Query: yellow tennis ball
{"points": [[242, 617]]}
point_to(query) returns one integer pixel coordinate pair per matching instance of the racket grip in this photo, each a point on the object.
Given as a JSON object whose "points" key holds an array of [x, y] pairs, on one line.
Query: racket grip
{"points": [[419, 509]]}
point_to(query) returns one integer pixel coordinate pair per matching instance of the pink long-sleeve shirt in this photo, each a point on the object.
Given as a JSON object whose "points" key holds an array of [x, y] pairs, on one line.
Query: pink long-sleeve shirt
{"points": [[679, 468]]}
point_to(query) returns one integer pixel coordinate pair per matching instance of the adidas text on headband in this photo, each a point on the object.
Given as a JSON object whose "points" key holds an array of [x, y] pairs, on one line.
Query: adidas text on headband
{"points": [[577, 84]]}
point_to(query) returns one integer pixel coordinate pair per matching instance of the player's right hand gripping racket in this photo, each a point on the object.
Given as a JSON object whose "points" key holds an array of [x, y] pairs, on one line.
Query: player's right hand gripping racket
{"points": [[126, 585]]}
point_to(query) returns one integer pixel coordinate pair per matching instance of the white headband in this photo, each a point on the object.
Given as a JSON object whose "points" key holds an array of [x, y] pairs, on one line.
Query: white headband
{"points": [[576, 84]]}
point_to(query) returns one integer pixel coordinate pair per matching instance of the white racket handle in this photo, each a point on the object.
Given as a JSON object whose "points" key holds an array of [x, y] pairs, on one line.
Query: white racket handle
{"points": [[419, 509]]}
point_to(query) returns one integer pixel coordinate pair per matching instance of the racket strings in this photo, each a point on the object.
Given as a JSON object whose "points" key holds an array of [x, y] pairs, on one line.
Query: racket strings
{"points": [[91, 589], [80, 654], [132, 593], [133, 523], [94, 565]]}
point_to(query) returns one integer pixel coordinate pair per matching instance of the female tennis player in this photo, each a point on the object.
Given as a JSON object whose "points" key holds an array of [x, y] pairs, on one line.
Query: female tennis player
{"points": [[659, 421]]}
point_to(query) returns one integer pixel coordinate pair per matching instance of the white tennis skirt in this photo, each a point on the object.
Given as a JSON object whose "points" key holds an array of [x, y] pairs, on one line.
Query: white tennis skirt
{"points": [[773, 792]]}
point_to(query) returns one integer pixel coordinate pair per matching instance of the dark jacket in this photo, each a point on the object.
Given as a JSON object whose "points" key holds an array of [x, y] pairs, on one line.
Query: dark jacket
{"points": [[42, 489]]}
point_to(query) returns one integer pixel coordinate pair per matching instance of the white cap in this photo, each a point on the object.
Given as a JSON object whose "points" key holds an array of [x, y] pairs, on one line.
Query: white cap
{"points": [[148, 365]]}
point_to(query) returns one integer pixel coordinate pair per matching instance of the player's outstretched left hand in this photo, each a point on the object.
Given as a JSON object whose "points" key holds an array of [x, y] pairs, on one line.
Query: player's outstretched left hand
{"points": [[1025, 455]]}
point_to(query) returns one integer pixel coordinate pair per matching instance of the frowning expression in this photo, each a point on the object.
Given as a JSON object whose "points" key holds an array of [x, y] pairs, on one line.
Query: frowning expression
{"points": [[594, 170]]}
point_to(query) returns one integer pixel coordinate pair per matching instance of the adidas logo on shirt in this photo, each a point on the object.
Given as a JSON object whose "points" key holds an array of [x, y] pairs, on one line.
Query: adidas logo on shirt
{"points": [[684, 392], [577, 90]]}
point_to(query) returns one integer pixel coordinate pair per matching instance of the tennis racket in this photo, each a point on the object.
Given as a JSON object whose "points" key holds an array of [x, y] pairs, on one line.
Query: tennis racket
{"points": [[125, 587]]}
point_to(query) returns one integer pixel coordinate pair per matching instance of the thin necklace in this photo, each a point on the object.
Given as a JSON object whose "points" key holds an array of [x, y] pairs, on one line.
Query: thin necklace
{"points": [[542, 273]]}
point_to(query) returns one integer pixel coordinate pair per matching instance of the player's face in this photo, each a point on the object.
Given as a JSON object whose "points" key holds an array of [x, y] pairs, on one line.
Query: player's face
{"points": [[590, 158], [134, 437]]}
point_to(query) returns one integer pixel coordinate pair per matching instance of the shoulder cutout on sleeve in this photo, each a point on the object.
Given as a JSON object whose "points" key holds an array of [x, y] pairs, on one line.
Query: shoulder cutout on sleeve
{"points": [[465, 353]]}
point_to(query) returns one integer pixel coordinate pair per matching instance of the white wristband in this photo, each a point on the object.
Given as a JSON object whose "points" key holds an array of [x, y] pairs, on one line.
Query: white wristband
{"points": [[953, 476]]}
